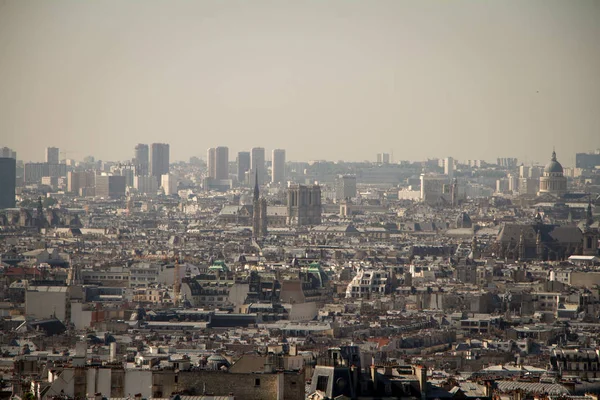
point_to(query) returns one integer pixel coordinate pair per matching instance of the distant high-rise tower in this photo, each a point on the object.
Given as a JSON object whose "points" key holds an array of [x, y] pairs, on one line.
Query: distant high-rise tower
{"points": [[211, 162], [159, 160], [449, 167], [278, 166], [52, 155], [383, 158], [110, 186], [243, 165], [345, 187], [257, 163], [221, 163], [8, 153], [141, 159], [8, 178]]}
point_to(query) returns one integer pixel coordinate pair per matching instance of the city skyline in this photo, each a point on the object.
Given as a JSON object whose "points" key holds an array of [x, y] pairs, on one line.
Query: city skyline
{"points": [[567, 159], [421, 80]]}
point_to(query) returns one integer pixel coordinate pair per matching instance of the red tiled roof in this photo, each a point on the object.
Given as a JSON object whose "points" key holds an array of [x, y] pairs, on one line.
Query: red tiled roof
{"points": [[382, 341]]}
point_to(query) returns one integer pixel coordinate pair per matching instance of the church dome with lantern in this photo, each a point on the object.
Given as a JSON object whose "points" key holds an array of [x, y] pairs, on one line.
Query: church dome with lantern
{"points": [[553, 182]]}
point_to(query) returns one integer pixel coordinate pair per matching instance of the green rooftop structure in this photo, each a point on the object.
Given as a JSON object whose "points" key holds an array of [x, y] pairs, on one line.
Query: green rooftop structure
{"points": [[219, 265]]}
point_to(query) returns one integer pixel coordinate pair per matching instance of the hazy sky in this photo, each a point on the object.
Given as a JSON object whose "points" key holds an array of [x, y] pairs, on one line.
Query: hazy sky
{"points": [[324, 79]]}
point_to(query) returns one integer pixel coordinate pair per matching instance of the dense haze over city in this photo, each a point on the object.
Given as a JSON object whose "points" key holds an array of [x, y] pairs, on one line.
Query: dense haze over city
{"points": [[325, 80], [301, 200]]}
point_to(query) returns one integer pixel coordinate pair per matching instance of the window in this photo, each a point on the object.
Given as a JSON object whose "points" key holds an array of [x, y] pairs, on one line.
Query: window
{"points": [[257, 382], [322, 383]]}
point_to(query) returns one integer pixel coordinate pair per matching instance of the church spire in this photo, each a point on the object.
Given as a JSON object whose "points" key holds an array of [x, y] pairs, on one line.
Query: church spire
{"points": [[256, 193]]}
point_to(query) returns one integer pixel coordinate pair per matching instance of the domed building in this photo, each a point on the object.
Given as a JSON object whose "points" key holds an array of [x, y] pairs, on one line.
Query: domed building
{"points": [[553, 182]]}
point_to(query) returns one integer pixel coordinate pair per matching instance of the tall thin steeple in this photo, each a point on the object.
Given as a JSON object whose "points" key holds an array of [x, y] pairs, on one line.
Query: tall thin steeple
{"points": [[589, 216], [256, 189]]}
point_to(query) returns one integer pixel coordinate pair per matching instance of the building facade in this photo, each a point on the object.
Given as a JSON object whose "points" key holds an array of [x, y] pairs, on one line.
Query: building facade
{"points": [[8, 177], [304, 205], [141, 159], [243, 166], [159, 160], [278, 166], [52, 155], [345, 187], [80, 180], [553, 182], [211, 162], [221, 163], [110, 186], [257, 164], [6, 152]]}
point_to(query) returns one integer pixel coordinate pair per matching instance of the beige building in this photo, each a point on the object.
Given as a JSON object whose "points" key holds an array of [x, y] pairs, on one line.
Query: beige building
{"points": [[46, 302], [553, 181]]}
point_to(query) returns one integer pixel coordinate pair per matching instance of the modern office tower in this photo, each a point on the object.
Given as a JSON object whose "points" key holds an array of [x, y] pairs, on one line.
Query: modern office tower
{"points": [[523, 171], [243, 165], [110, 186], [51, 181], [304, 205], [222, 163], [169, 183], [8, 182], [5, 152], [211, 162], [80, 182], [345, 187], [528, 186], [33, 172], [52, 155], [278, 166], [145, 184], [513, 183], [475, 163], [383, 158], [141, 159], [126, 170], [449, 167], [257, 164], [502, 185], [507, 162], [159, 160]]}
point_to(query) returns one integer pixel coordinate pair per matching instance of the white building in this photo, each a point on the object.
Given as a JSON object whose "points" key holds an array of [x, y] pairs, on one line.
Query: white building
{"points": [[368, 283], [45, 302], [169, 183], [143, 275], [449, 167], [145, 184]]}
